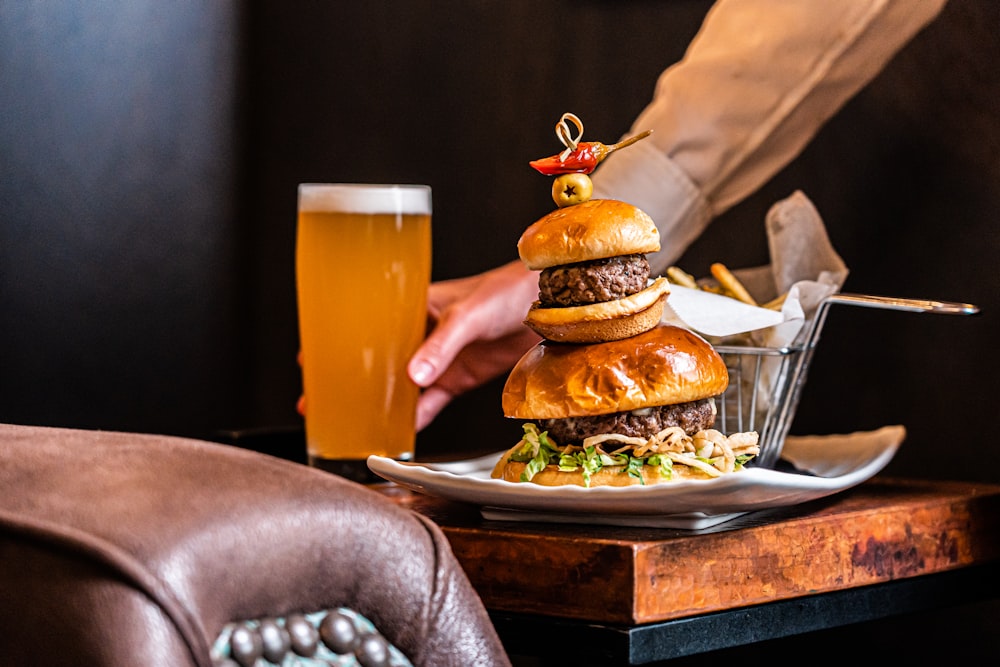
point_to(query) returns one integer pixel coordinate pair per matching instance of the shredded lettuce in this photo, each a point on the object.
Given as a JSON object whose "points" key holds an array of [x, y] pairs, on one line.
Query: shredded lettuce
{"points": [[634, 468], [537, 452], [588, 460], [664, 463]]}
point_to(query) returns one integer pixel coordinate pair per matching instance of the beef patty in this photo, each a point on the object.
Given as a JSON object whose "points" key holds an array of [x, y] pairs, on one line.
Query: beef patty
{"points": [[595, 281], [692, 417]]}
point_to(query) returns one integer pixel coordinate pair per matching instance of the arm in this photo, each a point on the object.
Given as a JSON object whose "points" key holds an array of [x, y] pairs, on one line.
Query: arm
{"points": [[755, 86]]}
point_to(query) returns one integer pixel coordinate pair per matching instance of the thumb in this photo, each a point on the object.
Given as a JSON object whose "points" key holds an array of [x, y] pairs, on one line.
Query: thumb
{"points": [[440, 348]]}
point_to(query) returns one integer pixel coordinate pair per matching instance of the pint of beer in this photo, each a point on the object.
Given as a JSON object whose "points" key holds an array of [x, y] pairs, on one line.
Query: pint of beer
{"points": [[363, 265]]}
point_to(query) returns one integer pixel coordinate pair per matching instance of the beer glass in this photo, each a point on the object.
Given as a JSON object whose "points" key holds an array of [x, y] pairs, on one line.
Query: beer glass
{"points": [[363, 265]]}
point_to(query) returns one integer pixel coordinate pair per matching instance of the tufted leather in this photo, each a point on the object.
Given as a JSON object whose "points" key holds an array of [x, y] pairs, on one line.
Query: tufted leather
{"points": [[126, 549]]}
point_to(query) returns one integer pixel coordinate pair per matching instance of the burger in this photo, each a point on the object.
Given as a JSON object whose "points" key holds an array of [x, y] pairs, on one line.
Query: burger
{"points": [[633, 411], [594, 283]]}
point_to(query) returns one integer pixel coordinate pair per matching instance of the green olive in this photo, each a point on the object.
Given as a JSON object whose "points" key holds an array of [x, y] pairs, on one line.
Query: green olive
{"points": [[569, 189]]}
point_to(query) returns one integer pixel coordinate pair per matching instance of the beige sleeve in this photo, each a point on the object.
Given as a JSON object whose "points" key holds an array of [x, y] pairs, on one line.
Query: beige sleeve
{"points": [[757, 82]]}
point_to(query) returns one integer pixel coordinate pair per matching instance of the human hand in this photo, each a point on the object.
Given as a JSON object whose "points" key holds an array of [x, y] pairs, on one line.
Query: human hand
{"points": [[477, 334]]}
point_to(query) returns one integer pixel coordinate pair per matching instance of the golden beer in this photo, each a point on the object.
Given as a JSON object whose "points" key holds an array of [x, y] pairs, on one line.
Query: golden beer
{"points": [[363, 265]]}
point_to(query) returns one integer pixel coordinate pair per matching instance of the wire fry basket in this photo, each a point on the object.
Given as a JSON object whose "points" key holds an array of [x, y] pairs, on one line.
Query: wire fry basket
{"points": [[765, 383]]}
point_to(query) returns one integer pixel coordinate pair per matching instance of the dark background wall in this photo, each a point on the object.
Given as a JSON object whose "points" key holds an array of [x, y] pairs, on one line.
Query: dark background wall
{"points": [[149, 155], [121, 275]]}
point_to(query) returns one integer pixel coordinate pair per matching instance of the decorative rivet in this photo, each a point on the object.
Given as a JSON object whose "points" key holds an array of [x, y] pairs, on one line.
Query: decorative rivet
{"points": [[245, 645], [373, 651], [304, 637], [338, 632], [275, 641]]}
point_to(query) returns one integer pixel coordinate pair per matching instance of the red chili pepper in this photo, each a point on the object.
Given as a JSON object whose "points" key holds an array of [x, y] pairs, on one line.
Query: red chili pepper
{"points": [[584, 159], [581, 161]]}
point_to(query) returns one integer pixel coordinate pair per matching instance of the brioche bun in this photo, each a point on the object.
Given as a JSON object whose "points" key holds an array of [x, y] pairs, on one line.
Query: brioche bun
{"points": [[600, 322], [594, 229], [666, 365], [551, 475]]}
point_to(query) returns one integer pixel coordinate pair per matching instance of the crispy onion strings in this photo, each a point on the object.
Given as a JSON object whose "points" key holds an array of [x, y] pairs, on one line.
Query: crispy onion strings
{"points": [[709, 450]]}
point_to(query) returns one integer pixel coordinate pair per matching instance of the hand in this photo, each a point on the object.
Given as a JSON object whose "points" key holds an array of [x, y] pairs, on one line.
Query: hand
{"points": [[300, 405], [477, 334]]}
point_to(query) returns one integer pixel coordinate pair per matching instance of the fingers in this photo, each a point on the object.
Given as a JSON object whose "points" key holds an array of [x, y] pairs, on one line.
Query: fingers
{"points": [[475, 365], [440, 348], [486, 309], [432, 401], [300, 405], [450, 331]]}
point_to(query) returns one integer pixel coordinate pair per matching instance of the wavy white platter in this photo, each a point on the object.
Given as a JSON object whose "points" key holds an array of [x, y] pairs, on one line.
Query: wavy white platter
{"points": [[835, 463]]}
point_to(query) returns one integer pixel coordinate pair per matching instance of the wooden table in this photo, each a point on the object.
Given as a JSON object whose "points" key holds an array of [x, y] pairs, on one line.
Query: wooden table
{"points": [[639, 595]]}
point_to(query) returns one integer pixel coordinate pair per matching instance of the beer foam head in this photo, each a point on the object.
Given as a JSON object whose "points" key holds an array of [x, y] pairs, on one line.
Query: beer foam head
{"points": [[365, 198]]}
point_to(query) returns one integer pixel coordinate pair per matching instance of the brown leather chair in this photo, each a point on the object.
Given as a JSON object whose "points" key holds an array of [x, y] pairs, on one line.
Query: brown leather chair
{"points": [[126, 549]]}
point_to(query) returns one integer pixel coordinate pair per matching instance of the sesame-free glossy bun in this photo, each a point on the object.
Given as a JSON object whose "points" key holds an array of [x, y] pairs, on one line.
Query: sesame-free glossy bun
{"points": [[599, 322], [663, 366], [594, 229]]}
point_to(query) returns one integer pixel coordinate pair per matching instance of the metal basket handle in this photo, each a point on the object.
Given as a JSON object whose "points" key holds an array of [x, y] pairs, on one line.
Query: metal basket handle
{"points": [[896, 303], [885, 302]]}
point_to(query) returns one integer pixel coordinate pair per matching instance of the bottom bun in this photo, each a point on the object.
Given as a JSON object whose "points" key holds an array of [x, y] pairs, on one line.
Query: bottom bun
{"points": [[511, 471], [597, 330]]}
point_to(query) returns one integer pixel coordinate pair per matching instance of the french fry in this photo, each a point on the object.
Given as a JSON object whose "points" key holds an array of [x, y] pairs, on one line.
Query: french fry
{"points": [[776, 303], [678, 276], [731, 284], [726, 284]]}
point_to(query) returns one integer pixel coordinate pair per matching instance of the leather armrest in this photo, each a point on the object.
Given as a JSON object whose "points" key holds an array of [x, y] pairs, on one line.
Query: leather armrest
{"points": [[119, 548]]}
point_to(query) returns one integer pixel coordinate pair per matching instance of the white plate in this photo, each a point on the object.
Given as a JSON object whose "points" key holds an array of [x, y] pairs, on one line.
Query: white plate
{"points": [[830, 464]]}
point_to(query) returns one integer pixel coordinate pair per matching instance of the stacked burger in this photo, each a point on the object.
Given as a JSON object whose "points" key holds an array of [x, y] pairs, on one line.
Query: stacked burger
{"points": [[612, 396]]}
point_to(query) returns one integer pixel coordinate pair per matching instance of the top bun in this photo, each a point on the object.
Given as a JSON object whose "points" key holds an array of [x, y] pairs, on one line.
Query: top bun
{"points": [[663, 366], [594, 229]]}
